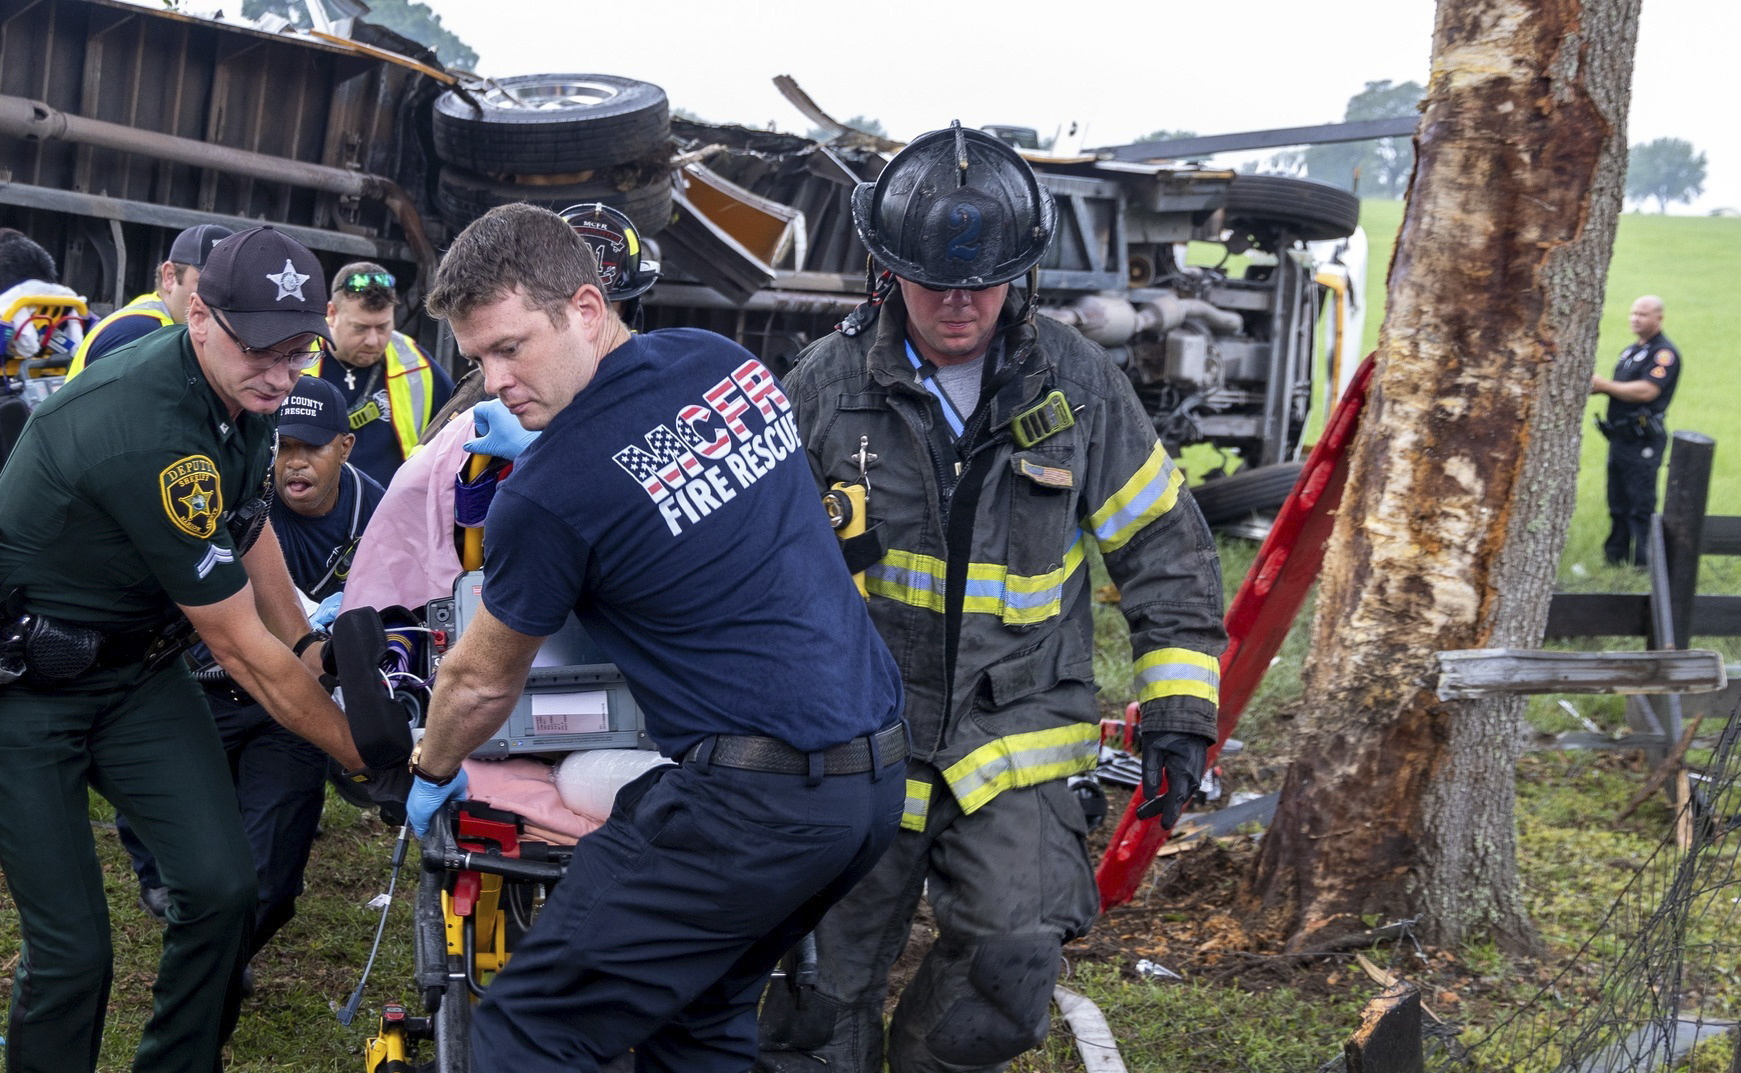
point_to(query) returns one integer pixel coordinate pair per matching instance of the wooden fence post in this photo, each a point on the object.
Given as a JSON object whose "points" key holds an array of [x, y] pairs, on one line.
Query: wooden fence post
{"points": [[1683, 526]]}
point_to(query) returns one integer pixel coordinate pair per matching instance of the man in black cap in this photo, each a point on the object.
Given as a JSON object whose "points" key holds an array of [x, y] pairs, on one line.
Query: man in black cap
{"points": [[319, 512], [129, 511], [177, 279]]}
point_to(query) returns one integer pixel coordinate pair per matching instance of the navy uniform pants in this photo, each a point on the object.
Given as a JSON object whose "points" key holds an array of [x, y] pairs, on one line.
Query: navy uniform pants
{"points": [[1632, 467], [673, 913], [146, 743], [1009, 884], [280, 784]]}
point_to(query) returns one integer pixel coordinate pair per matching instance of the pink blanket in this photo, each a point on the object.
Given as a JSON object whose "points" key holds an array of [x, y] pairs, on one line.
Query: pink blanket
{"points": [[406, 556], [523, 787]]}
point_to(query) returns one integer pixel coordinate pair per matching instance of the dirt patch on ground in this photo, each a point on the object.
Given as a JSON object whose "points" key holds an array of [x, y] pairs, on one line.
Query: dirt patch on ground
{"points": [[1183, 921]]}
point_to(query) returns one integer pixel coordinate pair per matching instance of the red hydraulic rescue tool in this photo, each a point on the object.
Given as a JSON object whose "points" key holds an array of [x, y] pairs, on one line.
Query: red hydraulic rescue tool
{"points": [[1257, 621]]}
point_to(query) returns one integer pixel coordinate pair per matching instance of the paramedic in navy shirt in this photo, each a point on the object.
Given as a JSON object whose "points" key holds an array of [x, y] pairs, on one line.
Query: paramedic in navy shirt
{"points": [[668, 504]]}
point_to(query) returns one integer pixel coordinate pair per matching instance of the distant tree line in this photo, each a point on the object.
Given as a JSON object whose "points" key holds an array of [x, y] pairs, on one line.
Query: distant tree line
{"points": [[1666, 170]]}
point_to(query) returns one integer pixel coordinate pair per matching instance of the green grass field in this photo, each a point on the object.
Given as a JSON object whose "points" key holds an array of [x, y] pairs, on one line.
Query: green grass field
{"points": [[1694, 264], [1568, 860]]}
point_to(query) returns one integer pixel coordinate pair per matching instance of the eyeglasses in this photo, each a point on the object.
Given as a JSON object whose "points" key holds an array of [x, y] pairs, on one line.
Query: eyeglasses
{"points": [[265, 358], [362, 281]]}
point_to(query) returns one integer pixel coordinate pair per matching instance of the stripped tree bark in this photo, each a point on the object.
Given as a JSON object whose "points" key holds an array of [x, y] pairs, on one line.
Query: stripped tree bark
{"points": [[1463, 479]]}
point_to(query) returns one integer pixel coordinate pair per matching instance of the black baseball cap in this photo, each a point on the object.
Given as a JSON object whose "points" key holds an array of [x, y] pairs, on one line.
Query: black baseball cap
{"points": [[194, 245], [314, 412], [267, 287]]}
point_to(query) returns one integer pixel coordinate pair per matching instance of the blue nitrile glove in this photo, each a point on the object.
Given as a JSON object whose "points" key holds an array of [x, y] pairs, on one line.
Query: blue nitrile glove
{"points": [[327, 611], [426, 799], [1179, 760], [499, 431]]}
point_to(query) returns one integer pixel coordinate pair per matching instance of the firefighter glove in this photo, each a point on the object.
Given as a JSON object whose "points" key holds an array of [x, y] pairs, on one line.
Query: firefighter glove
{"points": [[1173, 766], [499, 432]]}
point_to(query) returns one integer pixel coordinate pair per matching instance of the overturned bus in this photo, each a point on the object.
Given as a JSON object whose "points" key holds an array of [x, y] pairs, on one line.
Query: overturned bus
{"points": [[121, 124]]}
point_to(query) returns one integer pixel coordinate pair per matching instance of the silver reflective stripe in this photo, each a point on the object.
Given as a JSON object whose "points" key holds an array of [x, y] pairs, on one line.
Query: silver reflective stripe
{"points": [[1022, 760]]}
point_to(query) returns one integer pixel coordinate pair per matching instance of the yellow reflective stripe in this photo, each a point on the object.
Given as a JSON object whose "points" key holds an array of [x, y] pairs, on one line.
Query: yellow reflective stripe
{"points": [[147, 304], [1178, 672], [908, 577], [1151, 492], [1026, 759], [918, 805], [1018, 599], [408, 391]]}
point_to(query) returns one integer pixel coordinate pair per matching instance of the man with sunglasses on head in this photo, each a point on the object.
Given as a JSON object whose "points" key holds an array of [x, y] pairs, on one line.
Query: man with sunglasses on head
{"points": [[177, 279], [133, 516], [391, 387], [996, 446]]}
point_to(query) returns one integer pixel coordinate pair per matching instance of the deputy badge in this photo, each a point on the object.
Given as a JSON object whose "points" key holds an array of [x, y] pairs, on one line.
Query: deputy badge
{"points": [[191, 496]]}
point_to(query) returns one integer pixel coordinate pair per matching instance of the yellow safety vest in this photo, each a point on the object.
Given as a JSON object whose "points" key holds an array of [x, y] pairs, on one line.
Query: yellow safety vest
{"points": [[146, 305], [410, 390]]}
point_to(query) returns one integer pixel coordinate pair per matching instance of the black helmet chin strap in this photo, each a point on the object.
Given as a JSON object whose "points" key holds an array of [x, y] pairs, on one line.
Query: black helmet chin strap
{"points": [[877, 288], [1026, 313]]}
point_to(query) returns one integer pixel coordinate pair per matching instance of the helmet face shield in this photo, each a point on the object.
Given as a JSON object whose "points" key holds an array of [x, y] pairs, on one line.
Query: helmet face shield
{"points": [[616, 245], [955, 208]]}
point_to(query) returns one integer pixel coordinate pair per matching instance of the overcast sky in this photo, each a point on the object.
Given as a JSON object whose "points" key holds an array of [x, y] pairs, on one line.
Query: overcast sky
{"points": [[1121, 68]]}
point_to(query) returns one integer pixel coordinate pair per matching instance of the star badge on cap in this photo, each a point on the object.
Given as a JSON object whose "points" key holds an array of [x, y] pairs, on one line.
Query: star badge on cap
{"points": [[289, 282]]}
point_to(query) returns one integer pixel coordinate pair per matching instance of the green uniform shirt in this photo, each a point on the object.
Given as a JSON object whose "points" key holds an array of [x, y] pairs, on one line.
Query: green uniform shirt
{"points": [[113, 505]]}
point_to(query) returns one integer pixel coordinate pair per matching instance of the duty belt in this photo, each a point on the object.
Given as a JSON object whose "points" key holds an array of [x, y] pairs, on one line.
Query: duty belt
{"points": [[751, 752]]}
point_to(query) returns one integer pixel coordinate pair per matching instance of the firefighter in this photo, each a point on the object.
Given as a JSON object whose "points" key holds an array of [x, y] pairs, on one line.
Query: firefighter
{"points": [[177, 280], [391, 387], [702, 567], [996, 447], [131, 514], [1638, 397]]}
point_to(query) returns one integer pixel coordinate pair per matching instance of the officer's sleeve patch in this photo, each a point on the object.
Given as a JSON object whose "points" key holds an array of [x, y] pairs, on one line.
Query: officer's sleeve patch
{"points": [[1664, 357], [1659, 372], [191, 495]]}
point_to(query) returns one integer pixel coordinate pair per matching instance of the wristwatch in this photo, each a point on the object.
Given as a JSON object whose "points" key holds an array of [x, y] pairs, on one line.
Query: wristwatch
{"points": [[312, 637], [417, 768]]}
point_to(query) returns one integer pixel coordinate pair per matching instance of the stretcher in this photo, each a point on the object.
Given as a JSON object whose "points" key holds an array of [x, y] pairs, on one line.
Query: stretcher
{"points": [[479, 887], [41, 326], [485, 870]]}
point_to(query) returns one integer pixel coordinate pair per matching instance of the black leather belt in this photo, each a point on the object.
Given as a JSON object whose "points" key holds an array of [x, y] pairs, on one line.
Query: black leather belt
{"points": [[751, 752]]}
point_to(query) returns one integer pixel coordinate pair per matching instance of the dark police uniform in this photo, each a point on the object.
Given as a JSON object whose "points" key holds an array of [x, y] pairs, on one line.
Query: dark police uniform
{"points": [[113, 507], [280, 777], [670, 507], [1636, 442]]}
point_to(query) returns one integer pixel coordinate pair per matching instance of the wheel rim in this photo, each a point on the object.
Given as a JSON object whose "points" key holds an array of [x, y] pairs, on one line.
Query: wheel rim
{"points": [[552, 94]]}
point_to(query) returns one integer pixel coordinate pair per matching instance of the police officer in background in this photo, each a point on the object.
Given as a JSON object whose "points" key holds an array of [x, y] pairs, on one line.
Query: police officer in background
{"points": [[999, 445], [177, 279], [319, 510], [131, 509], [1638, 396], [390, 386]]}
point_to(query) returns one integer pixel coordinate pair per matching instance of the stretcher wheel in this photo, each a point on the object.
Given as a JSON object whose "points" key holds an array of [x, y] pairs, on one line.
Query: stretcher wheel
{"points": [[453, 1029]]}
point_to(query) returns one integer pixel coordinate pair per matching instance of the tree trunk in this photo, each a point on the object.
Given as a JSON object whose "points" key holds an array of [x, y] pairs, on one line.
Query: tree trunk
{"points": [[1462, 481]]}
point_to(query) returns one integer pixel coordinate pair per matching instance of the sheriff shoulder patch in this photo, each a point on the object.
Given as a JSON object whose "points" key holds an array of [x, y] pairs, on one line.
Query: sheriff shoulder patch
{"points": [[191, 496], [1664, 357]]}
